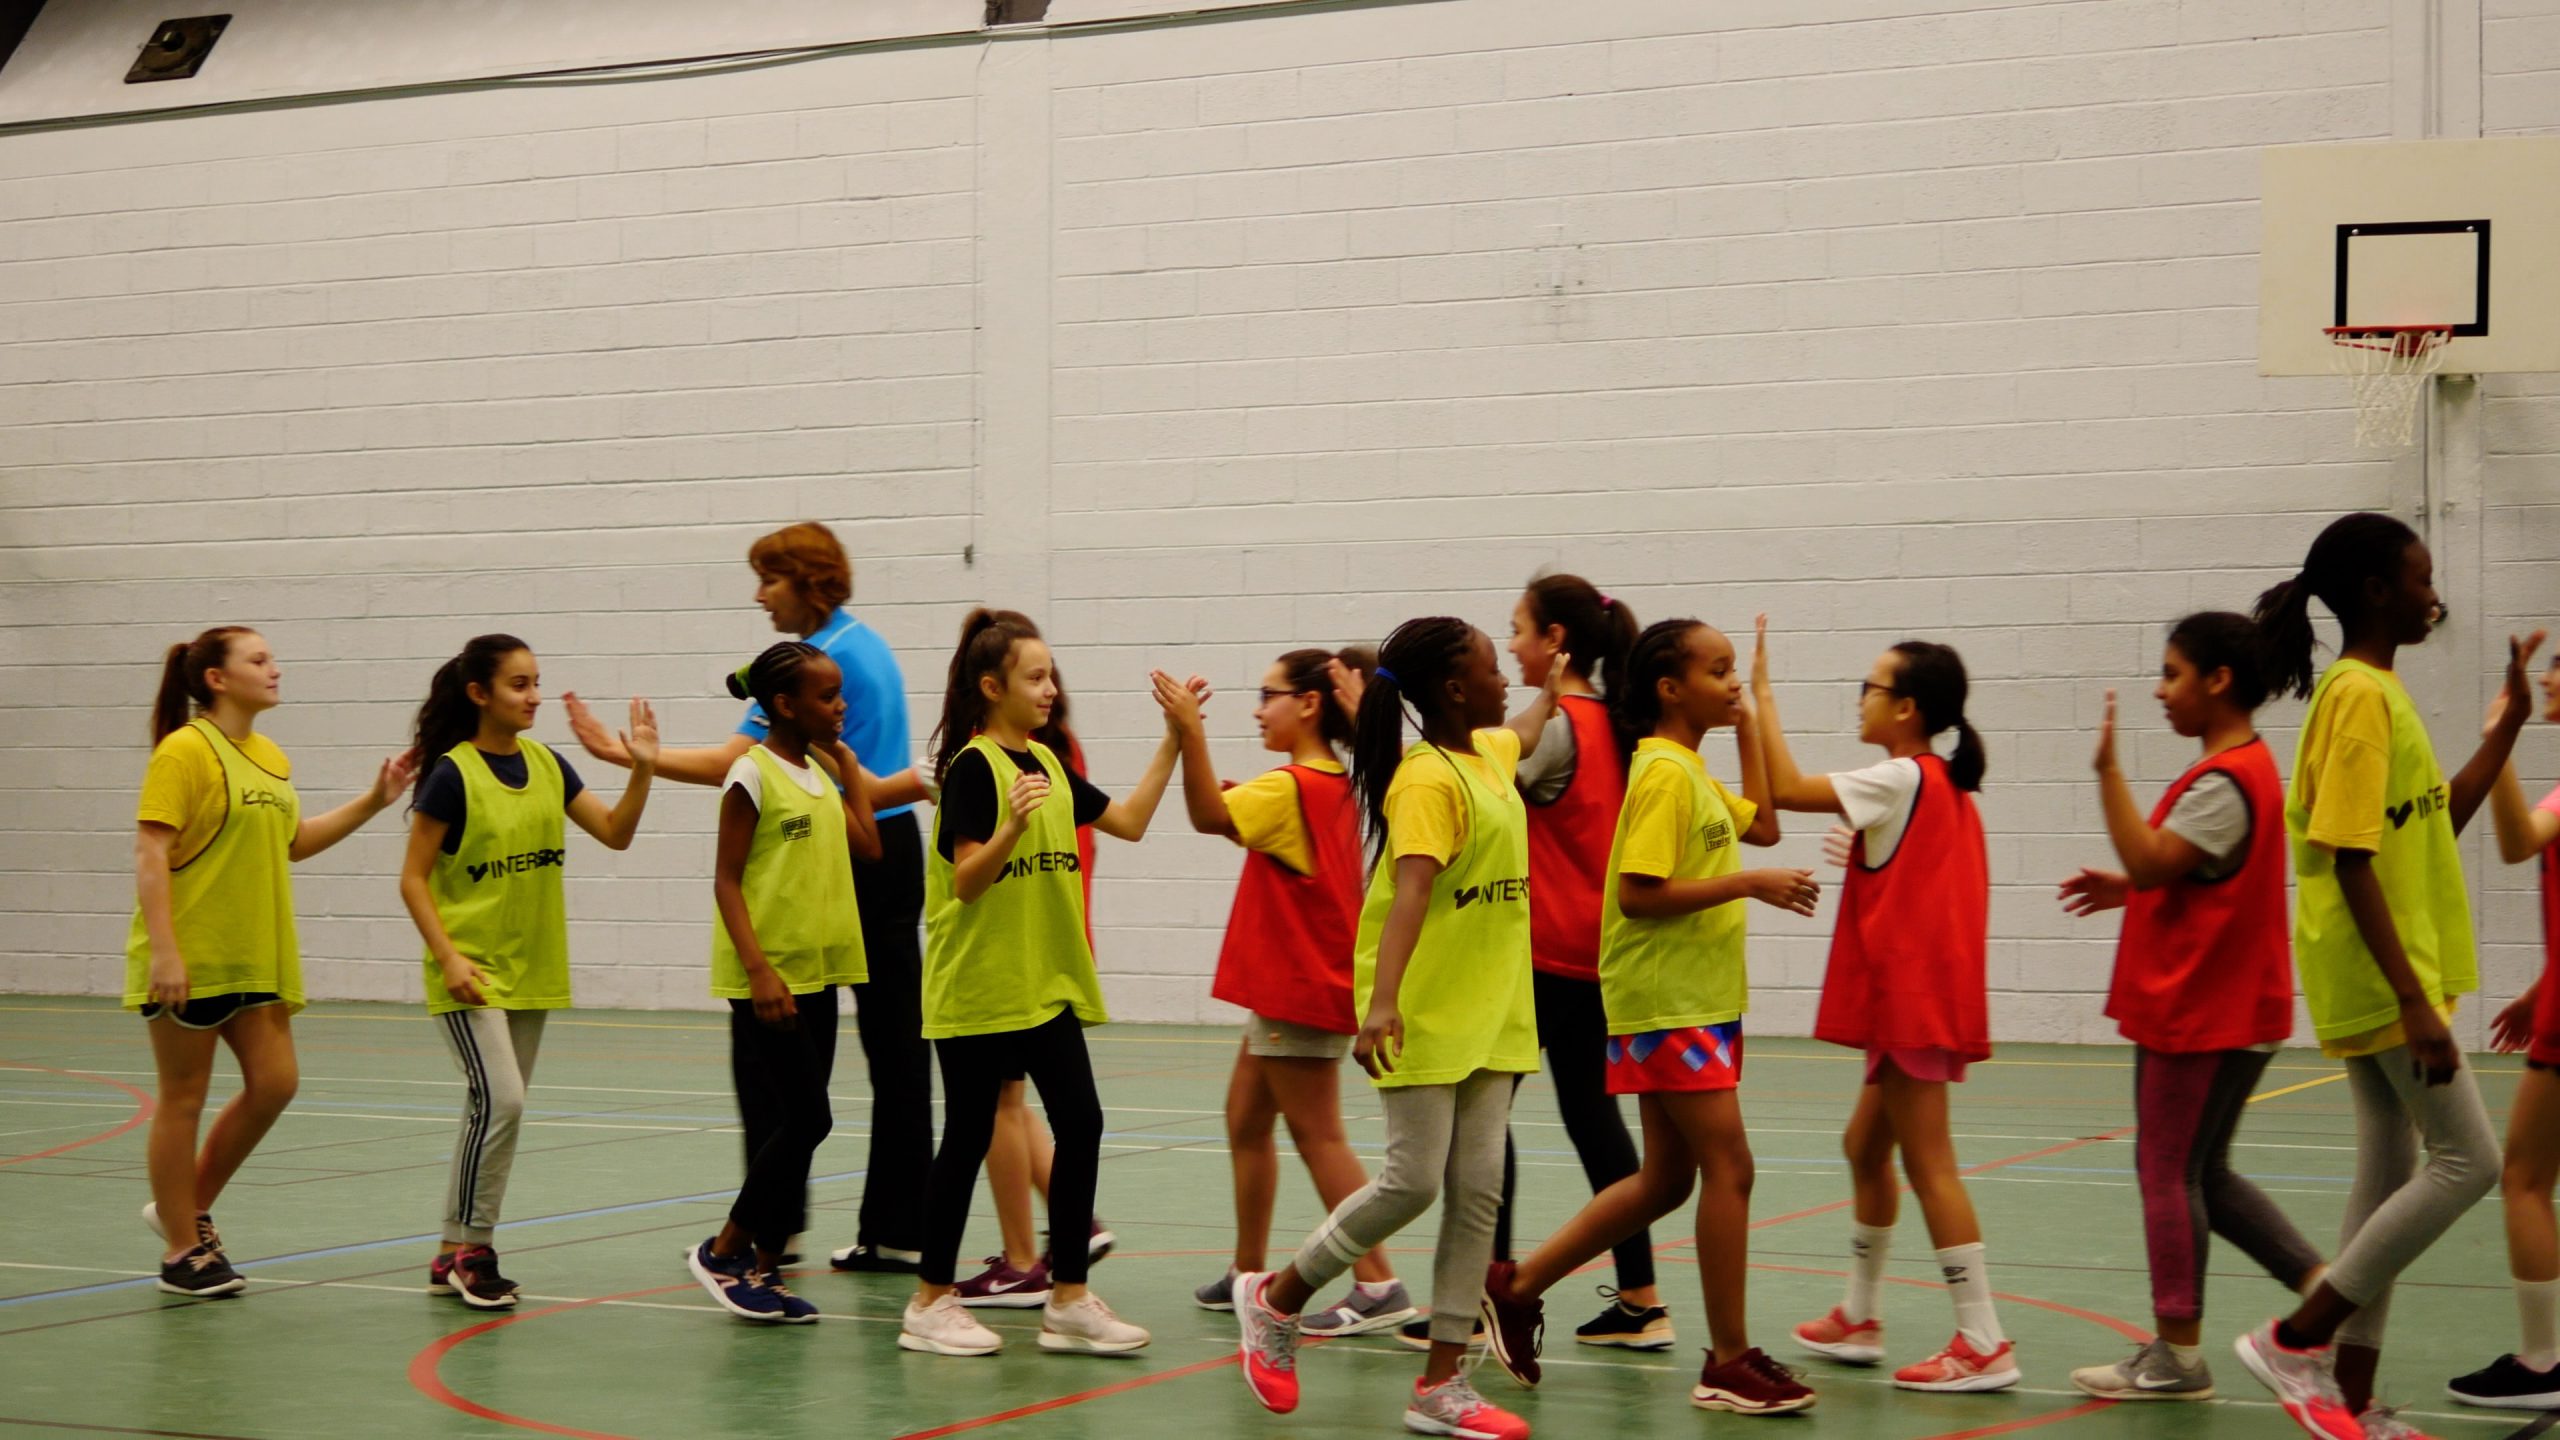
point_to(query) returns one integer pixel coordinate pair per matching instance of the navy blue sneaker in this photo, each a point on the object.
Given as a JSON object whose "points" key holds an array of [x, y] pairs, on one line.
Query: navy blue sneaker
{"points": [[795, 1311], [731, 1280]]}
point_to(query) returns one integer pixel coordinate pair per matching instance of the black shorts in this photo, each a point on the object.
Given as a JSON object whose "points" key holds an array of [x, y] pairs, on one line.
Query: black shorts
{"points": [[214, 1013]]}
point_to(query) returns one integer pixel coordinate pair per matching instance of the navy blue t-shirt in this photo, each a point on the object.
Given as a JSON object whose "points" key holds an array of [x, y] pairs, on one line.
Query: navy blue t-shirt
{"points": [[442, 797]]}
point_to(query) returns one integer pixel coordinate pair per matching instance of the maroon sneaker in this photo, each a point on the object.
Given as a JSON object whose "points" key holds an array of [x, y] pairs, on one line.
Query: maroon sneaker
{"points": [[1001, 1287], [1514, 1328], [1750, 1384]]}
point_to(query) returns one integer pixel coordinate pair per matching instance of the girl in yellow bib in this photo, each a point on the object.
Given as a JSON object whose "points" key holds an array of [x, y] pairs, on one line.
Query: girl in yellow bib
{"points": [[788, 932], [1441, 980], [482, 883], [2382, 939], [211, 951], [1009, 983], [1673, 988]]}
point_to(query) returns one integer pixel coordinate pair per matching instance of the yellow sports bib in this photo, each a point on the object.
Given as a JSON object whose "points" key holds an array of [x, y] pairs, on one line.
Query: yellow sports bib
{"points": [[499, 892], [1010, 959], [1466, 999], [1684, 969], [799, 891], [232, 902]]}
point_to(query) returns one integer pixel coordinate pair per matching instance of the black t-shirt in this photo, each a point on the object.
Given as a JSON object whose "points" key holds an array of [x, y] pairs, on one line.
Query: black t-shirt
{"points": [[971, 806], [443, 798]]}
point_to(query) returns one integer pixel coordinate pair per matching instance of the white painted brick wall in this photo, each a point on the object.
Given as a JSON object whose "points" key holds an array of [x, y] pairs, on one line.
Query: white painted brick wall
{"points": [[1922, 316]]}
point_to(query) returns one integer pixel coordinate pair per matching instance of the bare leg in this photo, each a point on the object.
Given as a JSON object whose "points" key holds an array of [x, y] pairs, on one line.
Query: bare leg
{"points": [[1711, 1126], [1009, 1177], [1919, 1113], [1661, 1184], [1869, 1144], [2533, 1166], [1254, 1159], [184, 1059], [262, 1041]]}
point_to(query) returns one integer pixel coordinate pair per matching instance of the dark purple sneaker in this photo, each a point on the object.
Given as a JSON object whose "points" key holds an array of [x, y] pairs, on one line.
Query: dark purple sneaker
{"points": [[1001, 1287]]}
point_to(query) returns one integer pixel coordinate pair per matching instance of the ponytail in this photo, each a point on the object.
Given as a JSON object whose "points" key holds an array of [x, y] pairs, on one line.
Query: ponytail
{"points": [[1933, 678], [183, 692], [987, 638], [773, 673], [2353, 549], [1415, 662], [448, 717], [1598, 630], [1635, 703], [1311, 672]]}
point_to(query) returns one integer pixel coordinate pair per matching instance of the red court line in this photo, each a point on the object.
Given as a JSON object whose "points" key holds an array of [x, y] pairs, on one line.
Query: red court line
{"points": [[423, 1366], [1060, 1402], [143, 1105], [2085, 1407]]}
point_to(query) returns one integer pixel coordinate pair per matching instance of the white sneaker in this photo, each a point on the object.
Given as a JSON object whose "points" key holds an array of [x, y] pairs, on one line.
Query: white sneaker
{"points": [[943, 1328], [1087, 1326]]}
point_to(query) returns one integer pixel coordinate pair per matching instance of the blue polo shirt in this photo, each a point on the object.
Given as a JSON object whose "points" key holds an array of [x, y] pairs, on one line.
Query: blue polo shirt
{"points": [[875, 698]]}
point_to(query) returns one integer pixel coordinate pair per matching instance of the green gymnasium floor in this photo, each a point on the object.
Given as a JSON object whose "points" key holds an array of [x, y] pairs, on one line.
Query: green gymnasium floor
{"points": [[628, 1156]]}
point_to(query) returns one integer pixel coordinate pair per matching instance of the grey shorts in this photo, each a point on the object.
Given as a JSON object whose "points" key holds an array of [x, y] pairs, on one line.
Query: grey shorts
{"points": [[1289, 1040]]}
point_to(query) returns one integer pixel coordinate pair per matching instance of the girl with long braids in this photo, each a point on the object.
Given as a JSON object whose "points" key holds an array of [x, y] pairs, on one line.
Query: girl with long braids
{"points": [[482, 882], [2382, 938], [1673, 987], [1906, 984], [211, 953], [789, 931], [1441, 980], [1287, 962]]}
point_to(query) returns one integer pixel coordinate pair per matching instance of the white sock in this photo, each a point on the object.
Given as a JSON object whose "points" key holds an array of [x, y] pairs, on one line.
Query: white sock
{"points": [[1969, 1285], [1869, 1247], [1379, 1290], [2538, 1313], [2187, 1356]]}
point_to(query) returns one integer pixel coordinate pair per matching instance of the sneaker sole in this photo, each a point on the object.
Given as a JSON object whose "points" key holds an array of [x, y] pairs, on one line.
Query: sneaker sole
{"points": [[870, 1265], [1385, 1320], [1421, 1424], [2205, 1393], [210, 1292], [501, 1302], [151, 1219], [2548, 1401], [1099, 1248], [1845, 1354], [1493, 1346], [705, 1278], [1967, 1384], [1009, 1300], [1222, 1306], [1663, 1340], [1725, 1400], [1078, 1345], [909, 1340], [1423, 1343]]}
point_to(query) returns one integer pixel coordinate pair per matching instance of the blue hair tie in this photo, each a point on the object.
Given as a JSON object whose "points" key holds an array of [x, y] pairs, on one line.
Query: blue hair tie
{"points": [[1383, 673]]}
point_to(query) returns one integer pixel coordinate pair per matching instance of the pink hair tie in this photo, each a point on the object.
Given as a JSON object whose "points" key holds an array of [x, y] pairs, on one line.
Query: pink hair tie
{"points": [[1607, 600]]}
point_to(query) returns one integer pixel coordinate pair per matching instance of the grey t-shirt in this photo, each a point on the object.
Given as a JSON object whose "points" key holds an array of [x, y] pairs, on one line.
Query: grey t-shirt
{"points": [[1548, 767], [2213, 816]]}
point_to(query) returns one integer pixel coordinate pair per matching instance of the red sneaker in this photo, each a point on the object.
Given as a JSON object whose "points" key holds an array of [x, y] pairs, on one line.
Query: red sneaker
{"points": [[1750, 1384], [1269, 1346], [1961, 1367], [1833, 1336], [1453, 1407]]}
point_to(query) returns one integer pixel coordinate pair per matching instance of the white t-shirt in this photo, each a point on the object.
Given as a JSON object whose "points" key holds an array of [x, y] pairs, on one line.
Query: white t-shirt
{"points": [[745, 774], [1878, 801]]}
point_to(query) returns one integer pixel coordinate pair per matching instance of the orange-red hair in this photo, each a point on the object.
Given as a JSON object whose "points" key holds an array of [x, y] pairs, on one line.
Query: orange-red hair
{"points": [[809, 557]]}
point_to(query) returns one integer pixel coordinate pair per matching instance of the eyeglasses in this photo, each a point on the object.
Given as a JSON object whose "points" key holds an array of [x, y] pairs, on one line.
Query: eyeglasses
{"points": [[1866, 685]]}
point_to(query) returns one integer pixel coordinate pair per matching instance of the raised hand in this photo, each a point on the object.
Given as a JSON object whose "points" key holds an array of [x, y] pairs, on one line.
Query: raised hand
{"points": [[1180, 703], [1759, 652], [1030, 790], [1348, 686], [2091, 891], [590, 732], [2106, 756], [640, 742], [393, 781], [2518, 697]]}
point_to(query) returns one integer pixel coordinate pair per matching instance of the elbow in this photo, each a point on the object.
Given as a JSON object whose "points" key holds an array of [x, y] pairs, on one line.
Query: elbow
{"points": [[618, 842]]}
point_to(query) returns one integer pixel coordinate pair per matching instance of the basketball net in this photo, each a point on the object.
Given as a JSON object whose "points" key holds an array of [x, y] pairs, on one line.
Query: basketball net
{"points": [[2386, 368]]}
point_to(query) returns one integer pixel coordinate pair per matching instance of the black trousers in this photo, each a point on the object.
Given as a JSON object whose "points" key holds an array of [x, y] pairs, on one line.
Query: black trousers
{"points": [[889, 1013], [974, 1070], [781, 1072], [1573, 1029]]}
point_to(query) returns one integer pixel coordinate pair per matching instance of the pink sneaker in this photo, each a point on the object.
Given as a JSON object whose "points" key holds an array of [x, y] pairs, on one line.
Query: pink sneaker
{"points": [[1961, 1367], [1833, 1336], [2304, 1382], [1268, 1344], [1453, 1407]]}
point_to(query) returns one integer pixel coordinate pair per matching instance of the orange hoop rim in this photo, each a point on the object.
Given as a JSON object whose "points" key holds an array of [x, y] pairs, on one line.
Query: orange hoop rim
{"points": [[2398, 339]]}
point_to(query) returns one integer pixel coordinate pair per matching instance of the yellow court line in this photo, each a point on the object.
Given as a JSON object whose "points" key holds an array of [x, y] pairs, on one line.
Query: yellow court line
{"points": [[2330, 1079]]}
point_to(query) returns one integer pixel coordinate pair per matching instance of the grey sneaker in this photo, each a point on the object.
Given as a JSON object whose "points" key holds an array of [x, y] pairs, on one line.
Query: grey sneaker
{"points": [[1454, 1408], [1218, 1294], [1360, 1313], [2150, 1373], [2383, 1422]]}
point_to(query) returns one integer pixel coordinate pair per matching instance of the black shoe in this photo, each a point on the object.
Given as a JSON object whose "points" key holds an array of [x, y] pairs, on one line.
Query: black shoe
{"points": [[1417, 1333], [475, 1278], [869, 1260], [1629, 1327], [2507, 1383], [201, 1274]]}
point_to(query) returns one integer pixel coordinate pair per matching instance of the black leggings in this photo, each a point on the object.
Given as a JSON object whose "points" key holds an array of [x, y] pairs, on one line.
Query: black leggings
{"points": [[974, 1068], [1574, 1031], [889, 1013], [781, 1074]]}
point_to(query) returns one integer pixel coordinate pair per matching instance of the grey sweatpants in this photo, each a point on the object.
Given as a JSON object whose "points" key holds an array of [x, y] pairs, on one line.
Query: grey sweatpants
{"points": [[494, 1050], [2398, 1207], [1439, 1138]]}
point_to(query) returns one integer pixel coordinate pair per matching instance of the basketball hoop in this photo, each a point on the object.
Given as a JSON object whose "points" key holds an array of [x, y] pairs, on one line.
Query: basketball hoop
{"points": [[2387, 365]]}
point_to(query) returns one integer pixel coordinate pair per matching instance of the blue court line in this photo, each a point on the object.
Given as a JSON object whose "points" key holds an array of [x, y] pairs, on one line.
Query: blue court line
{"points": [[428, 1239]]}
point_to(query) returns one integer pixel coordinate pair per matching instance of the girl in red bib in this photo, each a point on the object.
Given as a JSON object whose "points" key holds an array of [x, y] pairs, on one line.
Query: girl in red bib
{"points": [[1287, 962], [2529, 1378], [1905, 984], [2203, 988], [1575, 782]]}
